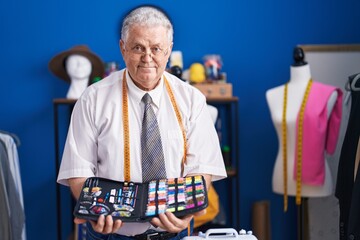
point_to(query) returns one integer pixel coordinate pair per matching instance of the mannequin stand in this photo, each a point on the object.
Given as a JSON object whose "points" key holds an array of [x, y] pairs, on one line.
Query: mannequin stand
{"points": [[302, 220]]}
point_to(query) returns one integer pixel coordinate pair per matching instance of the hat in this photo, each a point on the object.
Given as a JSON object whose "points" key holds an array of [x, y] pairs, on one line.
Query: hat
{"points": [[57, 63]]}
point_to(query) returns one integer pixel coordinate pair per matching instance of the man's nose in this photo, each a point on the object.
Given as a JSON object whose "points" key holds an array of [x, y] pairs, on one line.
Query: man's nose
{"points": [[147, 56]]}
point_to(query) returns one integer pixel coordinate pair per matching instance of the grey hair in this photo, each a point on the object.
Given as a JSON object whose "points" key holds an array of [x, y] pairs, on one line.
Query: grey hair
{"points": [[146, 16]]}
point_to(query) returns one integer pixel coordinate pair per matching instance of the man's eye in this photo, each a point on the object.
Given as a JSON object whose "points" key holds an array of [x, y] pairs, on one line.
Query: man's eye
{"points": [[137, 48], [156, 49]]}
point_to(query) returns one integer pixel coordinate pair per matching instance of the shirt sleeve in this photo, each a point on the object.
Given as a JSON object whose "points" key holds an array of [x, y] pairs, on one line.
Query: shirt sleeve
{"points": [[79, 156], [204, 152]]}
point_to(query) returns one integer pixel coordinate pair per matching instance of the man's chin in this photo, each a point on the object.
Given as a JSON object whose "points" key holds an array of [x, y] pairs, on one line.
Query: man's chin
{"points": [[146, 76], [146, 70]]}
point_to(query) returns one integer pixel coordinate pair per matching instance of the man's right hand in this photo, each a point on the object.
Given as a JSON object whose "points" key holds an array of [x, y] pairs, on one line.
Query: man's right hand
{"points": [[104, 225]]}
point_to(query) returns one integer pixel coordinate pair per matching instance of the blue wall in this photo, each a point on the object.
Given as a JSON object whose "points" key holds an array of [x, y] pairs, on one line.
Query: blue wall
{"points": [[254, 38]]}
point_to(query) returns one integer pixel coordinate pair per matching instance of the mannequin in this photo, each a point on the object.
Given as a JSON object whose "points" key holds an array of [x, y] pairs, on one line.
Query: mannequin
{"points": [[79, 69], [300, 75], [78, 66]]}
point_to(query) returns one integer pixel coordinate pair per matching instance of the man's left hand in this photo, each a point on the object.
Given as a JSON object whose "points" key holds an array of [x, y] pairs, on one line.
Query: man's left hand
{"points": [[170, 223]]}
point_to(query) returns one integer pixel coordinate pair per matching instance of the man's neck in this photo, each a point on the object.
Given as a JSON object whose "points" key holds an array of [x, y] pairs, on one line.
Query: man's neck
{"points": [[146, 89]]}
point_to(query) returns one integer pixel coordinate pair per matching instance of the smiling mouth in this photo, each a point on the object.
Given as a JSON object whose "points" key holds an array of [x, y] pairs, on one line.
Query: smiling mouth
{"points": [[145, 67]]}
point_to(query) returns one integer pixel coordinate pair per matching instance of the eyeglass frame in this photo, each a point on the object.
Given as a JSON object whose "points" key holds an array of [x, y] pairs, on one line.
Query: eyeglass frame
{"points": [[144, 53]]}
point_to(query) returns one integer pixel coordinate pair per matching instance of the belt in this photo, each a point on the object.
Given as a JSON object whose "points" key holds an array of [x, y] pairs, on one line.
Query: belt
{"points": [[155, 236]]}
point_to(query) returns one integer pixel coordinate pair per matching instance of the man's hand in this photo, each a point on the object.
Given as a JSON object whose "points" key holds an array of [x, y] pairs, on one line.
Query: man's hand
{"points": [[104, 225], [170, 223]]}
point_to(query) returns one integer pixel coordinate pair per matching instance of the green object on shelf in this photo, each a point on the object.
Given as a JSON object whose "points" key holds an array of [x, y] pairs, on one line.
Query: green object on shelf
{"points": [[226, 155], [226, 148], [96, 79]]}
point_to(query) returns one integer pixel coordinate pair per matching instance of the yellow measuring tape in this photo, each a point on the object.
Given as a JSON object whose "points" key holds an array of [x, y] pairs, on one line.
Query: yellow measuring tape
{"points": [[178, 116], [284, 136], [127, 176], [126, 130], [298, 142]]}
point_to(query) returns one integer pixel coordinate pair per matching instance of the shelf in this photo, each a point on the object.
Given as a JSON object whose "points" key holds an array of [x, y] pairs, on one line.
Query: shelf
{"points": [[64, 101], [231, 172], [222, 99]]}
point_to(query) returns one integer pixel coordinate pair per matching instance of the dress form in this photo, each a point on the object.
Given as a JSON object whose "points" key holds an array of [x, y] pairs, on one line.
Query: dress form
{"points": [[79, 69], [300, 75]]}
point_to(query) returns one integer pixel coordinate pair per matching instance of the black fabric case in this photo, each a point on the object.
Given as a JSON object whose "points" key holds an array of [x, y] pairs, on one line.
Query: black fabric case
{"points": [[139, 202]]}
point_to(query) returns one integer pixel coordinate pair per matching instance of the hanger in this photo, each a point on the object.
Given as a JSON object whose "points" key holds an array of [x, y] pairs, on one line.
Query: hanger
{"points": [[351, 84], [14, 136]]}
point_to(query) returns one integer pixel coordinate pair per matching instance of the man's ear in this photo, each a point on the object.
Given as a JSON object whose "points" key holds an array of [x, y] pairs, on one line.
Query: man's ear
{"points": [[122, 46], [170, 50], [171, 47]]}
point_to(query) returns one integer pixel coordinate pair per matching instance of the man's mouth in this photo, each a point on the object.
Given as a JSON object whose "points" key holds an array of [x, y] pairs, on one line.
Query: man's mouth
{"points": [[146, 66]]}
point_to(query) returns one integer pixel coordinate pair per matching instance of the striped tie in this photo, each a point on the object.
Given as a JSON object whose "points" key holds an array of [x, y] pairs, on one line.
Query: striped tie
{"points": [[153, 163]]}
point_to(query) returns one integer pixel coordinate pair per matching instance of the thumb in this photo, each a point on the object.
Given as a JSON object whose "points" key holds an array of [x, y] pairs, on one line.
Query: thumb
{"points": [[79, 220], [200, 213]]}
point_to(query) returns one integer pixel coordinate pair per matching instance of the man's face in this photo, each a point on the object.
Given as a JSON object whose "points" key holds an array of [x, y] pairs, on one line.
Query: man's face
{"points": [[146, 52]]}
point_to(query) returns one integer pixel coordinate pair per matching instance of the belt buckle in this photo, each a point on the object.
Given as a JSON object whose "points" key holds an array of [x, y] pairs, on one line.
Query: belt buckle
{"points": [[151, 235]]}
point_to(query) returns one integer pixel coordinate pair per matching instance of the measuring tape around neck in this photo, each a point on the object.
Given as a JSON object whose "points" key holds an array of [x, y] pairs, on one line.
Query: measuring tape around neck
{"points": [[127, 176]]}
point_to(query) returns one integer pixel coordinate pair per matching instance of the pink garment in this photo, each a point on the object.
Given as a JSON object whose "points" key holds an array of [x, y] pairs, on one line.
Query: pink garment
{"points": [[320, 134]]}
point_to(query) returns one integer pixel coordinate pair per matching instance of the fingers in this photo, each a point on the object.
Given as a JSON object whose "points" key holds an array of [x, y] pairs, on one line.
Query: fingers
{"points": [[171, 223], [79, 220], [117, 225], [200, 213], [99, 225], [106, 225]]}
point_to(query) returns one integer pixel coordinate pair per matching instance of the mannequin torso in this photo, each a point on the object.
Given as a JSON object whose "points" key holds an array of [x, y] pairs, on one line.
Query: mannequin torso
{"points": [[300, 76]]}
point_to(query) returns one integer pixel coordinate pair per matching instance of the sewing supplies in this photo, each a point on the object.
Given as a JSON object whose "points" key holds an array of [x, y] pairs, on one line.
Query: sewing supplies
{"points": [[141, 201]]}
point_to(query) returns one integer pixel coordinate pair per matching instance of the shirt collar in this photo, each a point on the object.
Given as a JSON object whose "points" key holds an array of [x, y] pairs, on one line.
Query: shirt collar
{"points": [[137, 94]]}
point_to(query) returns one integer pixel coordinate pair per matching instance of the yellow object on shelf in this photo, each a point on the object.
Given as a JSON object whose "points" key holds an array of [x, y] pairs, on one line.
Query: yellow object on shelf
{"points": [[197, 73]]}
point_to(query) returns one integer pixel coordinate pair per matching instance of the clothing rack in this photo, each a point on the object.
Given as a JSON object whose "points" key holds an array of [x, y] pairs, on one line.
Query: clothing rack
{"points": [[14, 136], [11, 195]]}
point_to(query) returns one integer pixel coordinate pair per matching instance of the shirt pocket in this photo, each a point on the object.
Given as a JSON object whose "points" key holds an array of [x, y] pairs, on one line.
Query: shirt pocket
{"points": [[174, 152]]}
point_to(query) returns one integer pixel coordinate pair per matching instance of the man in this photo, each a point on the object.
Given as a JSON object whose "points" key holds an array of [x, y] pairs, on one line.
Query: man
{"points": [[106, 127]]}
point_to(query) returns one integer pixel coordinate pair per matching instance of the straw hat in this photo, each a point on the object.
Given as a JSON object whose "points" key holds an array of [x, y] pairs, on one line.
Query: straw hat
{"points": [[57, 63]]}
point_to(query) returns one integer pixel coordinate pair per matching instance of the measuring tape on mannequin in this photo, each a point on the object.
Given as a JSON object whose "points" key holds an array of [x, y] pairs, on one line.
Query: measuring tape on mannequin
{"points": [[299, 141]]}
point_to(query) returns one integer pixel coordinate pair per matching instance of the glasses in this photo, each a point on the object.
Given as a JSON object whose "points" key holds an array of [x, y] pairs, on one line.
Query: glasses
{"points": [[154, 51]]}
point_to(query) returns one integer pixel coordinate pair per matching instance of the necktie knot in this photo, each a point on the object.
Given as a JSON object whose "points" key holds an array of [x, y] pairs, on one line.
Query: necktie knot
{"points": [[146, 98]]}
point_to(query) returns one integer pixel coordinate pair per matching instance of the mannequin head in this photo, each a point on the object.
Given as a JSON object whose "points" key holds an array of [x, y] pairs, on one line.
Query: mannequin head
{"points": [[77, 62], [299, 57], [78, 67]]}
